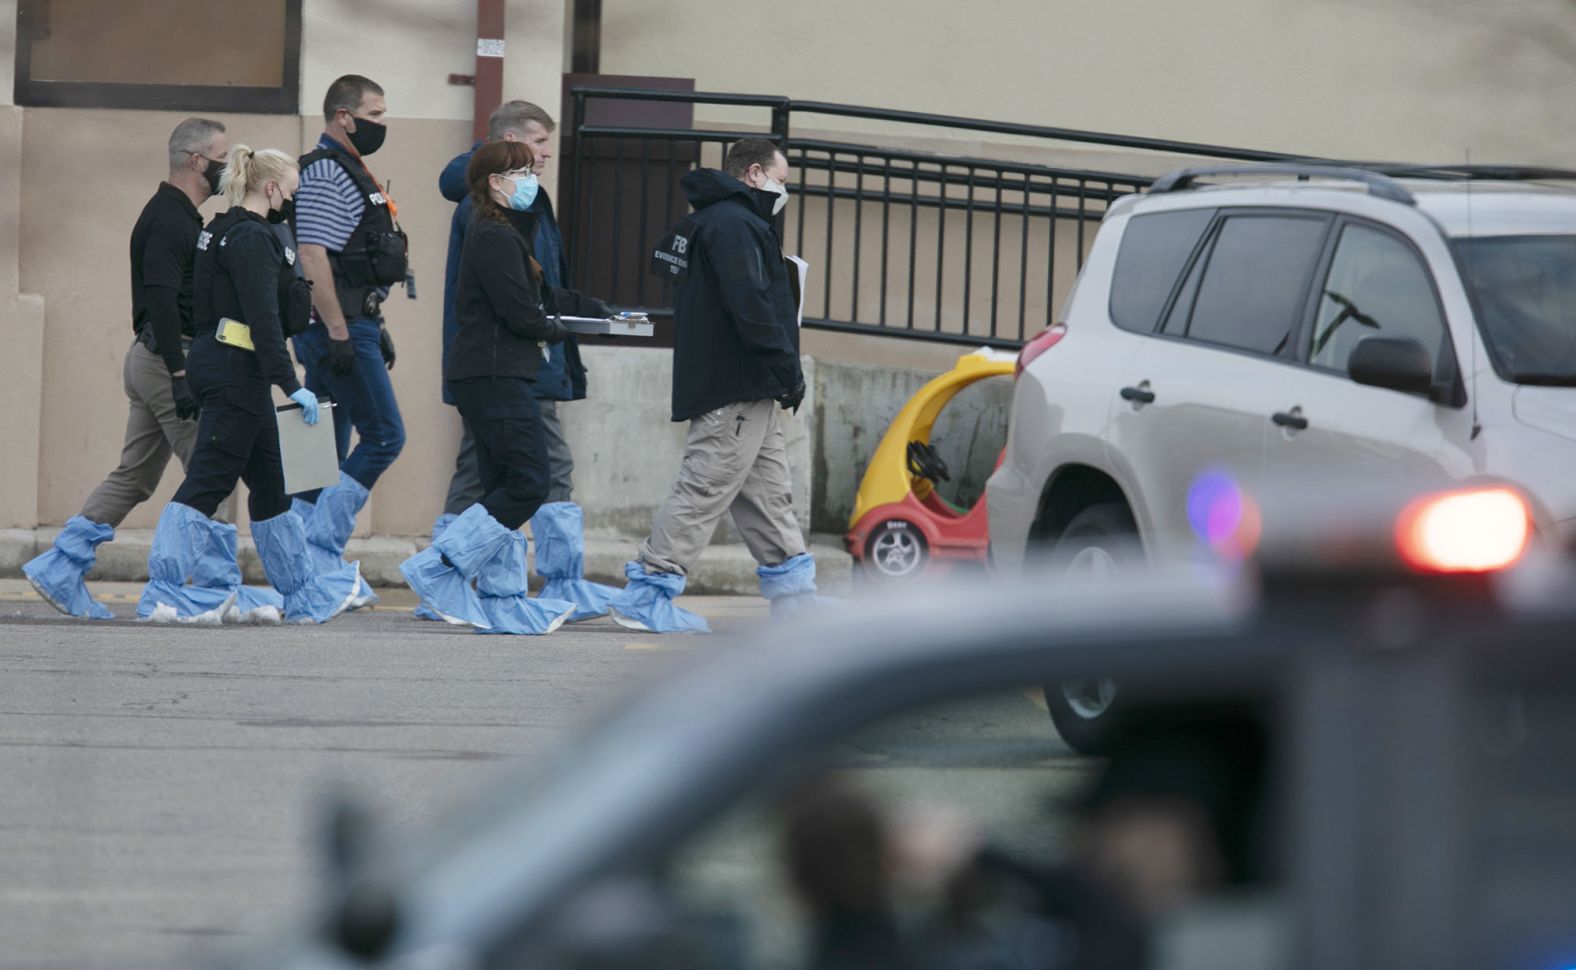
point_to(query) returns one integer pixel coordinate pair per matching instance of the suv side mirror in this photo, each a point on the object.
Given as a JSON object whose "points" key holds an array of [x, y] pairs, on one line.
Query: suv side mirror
{"points": [[1397, 363]]}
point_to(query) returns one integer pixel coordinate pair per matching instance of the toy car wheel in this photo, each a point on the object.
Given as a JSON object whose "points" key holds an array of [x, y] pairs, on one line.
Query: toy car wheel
{"points": [[896, 550]]}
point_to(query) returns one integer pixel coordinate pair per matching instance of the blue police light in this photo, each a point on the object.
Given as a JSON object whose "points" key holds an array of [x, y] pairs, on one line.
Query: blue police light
{"points": [[1222, 515]]}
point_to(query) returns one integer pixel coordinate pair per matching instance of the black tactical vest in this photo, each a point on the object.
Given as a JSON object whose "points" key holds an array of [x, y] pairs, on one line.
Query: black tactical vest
{"points": [[295, 292], [375, 256]]}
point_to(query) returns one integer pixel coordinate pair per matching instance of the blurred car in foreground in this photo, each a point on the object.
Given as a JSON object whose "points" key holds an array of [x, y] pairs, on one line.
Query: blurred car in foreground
{"points": [[1325, 797], [1295, 321]]}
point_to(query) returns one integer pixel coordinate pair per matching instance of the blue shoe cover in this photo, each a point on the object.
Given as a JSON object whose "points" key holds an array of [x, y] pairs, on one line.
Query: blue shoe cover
{"points": [[521, 614], [309, 595], [790, 585], [443, 591], [475, 538], [442, 522], [559, 530], [329, 523], [180, 543], [503, 573], [325, 561], [438, 525], [57, 574], [260, 605], [646, 603], [334, 514], [591, 600], [218, 568]]}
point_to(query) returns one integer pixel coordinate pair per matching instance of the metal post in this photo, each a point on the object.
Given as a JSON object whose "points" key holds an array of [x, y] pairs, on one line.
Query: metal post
{"points": [[489, 64]]}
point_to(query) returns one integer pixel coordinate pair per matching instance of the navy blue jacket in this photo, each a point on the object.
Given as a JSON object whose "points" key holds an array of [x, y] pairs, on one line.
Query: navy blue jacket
{"points": [[735, 334], [561, 377]]}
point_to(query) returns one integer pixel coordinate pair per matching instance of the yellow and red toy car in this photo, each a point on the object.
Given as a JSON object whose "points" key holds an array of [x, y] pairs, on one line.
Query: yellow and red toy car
{"points": [[902, 528]]}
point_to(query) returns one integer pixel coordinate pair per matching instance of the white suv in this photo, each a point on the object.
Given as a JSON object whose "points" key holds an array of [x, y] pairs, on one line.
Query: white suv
{"points": [[1342, 323]]}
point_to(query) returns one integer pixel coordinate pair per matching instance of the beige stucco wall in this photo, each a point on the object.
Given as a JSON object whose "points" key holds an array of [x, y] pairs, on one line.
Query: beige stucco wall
{"points": [[21, 314], [1406, 79]]}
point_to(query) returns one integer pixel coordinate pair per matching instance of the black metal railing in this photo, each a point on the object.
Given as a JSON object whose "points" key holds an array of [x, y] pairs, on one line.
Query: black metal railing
{"points": [[901, 242]]}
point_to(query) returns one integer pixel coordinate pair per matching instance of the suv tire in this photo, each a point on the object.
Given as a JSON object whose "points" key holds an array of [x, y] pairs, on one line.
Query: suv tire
{"points": [[1099, 541]]}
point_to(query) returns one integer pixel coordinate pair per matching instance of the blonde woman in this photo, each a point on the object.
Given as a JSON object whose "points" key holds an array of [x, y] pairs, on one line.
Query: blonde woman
{"points": [[246, 300]]}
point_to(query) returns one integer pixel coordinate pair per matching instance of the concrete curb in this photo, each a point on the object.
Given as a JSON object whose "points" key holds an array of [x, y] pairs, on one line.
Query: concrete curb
{"points": [[726, 569]]}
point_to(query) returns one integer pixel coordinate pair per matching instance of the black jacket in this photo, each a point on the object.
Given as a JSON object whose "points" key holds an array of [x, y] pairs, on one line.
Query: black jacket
{"points": [[500, 307], [242, 271], [735, 336]]}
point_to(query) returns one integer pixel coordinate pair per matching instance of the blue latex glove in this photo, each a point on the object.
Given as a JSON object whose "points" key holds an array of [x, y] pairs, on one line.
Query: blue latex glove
{"points": [[308, 402]]}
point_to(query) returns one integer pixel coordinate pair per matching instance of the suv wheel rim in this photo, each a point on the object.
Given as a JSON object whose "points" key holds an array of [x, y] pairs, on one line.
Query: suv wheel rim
{"points": [[1089, 698], [896, 553], [1092, 562]]}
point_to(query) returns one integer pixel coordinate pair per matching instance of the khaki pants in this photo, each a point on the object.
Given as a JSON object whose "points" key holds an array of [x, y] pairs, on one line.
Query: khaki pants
{"points": [[735, 460], [153, 433]]}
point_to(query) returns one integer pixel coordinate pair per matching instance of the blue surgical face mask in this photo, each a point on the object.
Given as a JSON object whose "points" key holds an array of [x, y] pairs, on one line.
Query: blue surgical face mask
{"points": [[525, 187]]}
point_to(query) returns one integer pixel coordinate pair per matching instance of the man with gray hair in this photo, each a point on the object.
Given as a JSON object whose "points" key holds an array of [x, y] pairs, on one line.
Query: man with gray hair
{"points": [[163, 408]]}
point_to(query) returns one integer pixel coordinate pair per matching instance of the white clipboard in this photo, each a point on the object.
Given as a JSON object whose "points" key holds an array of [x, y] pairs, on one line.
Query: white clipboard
{"points": [[619, 325], [307, 451]]}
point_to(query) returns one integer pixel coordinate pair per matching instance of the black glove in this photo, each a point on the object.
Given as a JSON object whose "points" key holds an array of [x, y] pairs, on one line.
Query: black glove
{"points": [[186, 406], [341, 358], [386, 346], [793, 398], [556, 331], [600, 309]]}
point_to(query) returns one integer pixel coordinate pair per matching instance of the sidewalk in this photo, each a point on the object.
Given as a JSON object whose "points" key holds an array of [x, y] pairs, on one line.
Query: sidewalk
{"points": [[726, 570]]}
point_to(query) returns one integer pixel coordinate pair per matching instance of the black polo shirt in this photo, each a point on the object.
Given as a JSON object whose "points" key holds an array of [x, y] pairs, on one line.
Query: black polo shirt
{"points": [[162, 246]]}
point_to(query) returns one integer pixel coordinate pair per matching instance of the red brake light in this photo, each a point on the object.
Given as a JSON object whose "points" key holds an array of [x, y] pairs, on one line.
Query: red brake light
{"points": [[1047, 338], [1469, 531]]}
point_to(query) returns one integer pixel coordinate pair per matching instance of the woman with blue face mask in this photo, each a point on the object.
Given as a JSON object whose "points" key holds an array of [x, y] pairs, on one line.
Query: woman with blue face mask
{"points": [[474, 572]]}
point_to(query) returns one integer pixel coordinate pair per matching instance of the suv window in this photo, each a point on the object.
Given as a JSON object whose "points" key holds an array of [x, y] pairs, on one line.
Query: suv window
{"points": [[1155, 247], [1253, 289], [1377, 286]]}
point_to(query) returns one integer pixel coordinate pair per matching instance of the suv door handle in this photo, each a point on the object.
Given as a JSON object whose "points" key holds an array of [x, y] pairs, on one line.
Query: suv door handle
{"points": [[1292, 419], [1139, 395]]}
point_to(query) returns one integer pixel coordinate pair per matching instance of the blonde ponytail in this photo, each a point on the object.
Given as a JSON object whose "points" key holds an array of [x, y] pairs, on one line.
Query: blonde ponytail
{"points": [[247, 170]]}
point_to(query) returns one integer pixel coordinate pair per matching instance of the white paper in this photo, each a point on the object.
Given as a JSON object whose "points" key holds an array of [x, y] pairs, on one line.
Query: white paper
{"points": [[804, 274]]}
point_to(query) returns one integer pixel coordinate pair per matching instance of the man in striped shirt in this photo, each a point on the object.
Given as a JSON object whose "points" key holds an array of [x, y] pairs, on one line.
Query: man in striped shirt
{"points": [[352, 251]]}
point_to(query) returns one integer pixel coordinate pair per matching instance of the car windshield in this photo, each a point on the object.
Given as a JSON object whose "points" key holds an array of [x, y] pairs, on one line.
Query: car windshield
{"points": [[1525, 288]]}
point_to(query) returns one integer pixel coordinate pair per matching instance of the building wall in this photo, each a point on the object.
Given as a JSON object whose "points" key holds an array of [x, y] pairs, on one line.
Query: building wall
{"points": [[21, 314], [1405, 79]]}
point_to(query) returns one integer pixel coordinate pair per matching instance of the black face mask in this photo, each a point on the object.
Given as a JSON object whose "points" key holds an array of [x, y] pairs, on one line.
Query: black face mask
{"points": [[285, 213], [368, 136], [212, 173]]}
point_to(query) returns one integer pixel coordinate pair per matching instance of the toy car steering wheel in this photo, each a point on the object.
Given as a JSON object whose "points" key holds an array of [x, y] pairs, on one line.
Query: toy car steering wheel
{"points": [[923, 462]]}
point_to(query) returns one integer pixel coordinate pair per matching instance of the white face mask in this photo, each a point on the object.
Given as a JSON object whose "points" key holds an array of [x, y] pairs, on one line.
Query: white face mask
{"points": [[772, 185]]}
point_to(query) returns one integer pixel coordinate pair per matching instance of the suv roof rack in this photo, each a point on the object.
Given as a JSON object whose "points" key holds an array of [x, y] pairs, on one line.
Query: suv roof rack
{"points": [[1379, 184], [1496, 173]]}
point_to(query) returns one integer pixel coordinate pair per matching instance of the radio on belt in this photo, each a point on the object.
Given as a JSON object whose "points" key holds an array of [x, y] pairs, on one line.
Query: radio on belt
{"points": [[618, 325]]}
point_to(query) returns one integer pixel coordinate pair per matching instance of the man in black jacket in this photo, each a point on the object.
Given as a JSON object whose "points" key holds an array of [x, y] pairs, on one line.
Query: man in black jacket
{"points": [[735, 360]]}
